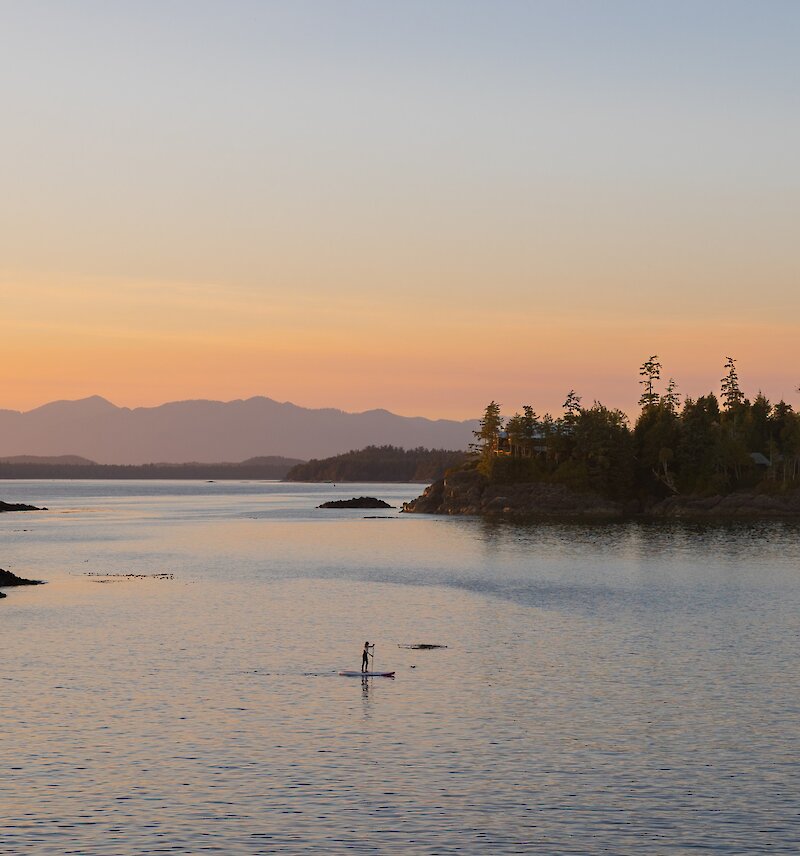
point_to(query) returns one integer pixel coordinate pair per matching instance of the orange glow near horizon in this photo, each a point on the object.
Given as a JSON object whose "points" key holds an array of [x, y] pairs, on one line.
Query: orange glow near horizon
{"points": [[145, 344]]}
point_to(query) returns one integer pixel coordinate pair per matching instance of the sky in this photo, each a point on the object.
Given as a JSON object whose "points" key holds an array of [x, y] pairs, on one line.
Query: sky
{"points": [[419, 205]]}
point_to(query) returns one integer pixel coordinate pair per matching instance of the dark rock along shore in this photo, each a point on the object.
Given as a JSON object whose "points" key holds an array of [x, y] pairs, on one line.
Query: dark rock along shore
{"points": [[467, 492], [9, 579], [18, 506], [6, 577]]}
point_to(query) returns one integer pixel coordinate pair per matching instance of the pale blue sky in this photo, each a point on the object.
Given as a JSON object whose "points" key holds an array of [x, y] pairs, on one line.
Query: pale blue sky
{"points": [[565, 166]]}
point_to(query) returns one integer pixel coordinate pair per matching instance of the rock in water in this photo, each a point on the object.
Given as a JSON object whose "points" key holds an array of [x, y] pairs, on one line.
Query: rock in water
{"points": [[9, 579], [18, 506], [356, 502]]}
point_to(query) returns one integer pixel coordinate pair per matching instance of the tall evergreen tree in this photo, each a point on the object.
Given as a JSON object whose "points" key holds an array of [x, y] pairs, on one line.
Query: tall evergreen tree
{"points": [[650, 371], [732, 394], [487, 434]]}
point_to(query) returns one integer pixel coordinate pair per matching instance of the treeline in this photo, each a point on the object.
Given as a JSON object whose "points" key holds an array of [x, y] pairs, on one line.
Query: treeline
{"points": [[257, 468], [709, 445], [379, 464]]}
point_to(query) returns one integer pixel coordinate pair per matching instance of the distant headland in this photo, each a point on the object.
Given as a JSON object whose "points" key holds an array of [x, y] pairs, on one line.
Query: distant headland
{"points": [[74, 467], [723, 456]]}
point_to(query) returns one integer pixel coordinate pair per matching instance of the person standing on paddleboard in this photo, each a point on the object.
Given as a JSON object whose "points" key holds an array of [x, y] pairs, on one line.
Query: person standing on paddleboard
{"points": [[365, 655]]}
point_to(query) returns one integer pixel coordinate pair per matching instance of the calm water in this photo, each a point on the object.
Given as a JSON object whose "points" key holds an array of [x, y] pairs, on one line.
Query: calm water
{"points": [[626, 688]]}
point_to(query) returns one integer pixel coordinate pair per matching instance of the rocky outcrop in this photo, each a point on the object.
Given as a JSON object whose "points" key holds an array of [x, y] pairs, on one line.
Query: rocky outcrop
{"points": [[356, 502], [468, 492], [9, 579], [18, 506]]}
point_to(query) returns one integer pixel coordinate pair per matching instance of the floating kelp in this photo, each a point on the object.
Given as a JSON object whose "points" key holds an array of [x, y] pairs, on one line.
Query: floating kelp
{"points": [[129, 576], [422, 646]]}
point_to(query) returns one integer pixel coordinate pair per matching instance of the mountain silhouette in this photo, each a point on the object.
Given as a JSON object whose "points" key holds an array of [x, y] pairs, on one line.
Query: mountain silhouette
{"points": [[209, 431]]}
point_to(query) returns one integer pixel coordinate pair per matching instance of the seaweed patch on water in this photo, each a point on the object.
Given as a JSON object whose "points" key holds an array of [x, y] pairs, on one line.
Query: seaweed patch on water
{"points": [[421, 646], [99, 577]]}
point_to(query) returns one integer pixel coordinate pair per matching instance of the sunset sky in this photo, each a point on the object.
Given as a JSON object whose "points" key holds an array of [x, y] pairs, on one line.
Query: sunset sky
{"points": [[417, 205]]}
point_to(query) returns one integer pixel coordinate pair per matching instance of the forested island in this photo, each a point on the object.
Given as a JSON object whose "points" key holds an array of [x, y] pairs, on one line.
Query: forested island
{"points": [[379, 464], [712, 456]]}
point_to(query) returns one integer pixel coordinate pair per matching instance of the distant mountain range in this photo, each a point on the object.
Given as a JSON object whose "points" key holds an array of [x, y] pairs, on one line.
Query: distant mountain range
{"points": [[209, 431]]}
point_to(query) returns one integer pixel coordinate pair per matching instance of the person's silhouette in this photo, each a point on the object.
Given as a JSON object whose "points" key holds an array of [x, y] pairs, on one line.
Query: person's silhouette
{"points": [[365, 655]]}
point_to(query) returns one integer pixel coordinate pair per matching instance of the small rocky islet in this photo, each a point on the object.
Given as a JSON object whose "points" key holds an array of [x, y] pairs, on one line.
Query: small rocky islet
{"points": [[7, 579], [356, 502]]}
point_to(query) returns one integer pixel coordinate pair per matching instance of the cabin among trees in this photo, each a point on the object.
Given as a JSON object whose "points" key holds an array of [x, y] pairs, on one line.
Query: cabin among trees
{"points": [[711, 445]]}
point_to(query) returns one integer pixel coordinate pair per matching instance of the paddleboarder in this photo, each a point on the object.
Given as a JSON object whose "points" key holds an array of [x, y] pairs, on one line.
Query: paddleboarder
{"points": [[365, 655]]}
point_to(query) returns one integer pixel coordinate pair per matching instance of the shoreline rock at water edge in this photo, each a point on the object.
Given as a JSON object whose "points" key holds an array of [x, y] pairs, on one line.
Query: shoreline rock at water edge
{"points": [[469, 493], [18, 506], [7, 579]]}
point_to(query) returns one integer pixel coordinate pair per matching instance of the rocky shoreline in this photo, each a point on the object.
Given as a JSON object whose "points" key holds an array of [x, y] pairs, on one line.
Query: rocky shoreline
{"points": [[467, 492]]}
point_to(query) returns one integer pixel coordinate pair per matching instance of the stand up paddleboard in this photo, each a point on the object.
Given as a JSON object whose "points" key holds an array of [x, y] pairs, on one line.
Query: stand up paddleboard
{"points": [[367, 674]]}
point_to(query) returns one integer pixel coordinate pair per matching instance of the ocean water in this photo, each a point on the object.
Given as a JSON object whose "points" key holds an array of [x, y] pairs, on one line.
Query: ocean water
{"points": [[626, 688]]}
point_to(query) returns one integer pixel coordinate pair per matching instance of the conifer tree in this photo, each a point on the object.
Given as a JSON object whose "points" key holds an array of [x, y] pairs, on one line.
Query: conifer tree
{"points": [[671, 399], [650, 370], [488, 431], [516, 438], [732, 395], [572, 408], [530, 423]]}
